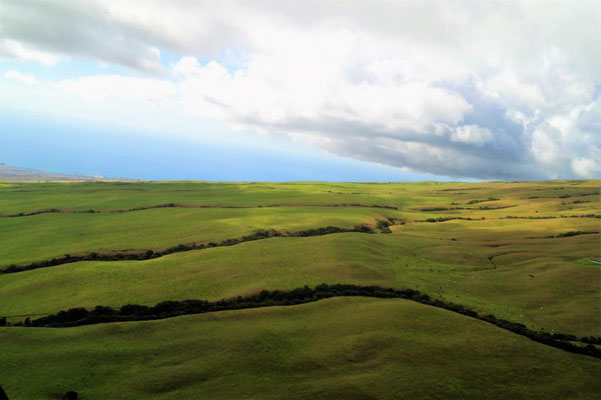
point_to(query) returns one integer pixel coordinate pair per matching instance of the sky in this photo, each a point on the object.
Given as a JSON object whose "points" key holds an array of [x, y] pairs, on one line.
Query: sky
{"points": [[280, 90]]}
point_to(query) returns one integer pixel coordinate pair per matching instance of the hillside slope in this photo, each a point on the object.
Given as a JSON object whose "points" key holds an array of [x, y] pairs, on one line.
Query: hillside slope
{"points": [[525, 253], [17, 174], [351, 348]]}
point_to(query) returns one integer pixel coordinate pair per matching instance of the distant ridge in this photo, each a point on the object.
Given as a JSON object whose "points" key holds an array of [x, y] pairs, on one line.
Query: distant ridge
{"points": [[16, 174]]}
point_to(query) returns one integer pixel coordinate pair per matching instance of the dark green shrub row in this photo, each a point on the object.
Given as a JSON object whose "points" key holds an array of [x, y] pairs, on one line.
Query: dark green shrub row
{"points": [[428, 209], [566, 196], [384, 225], [459, 189], [28, 214], [590, 339], [570, 234], [443, 219], [319, 231], [387, 207], [266, 298], [168, 205], [49, 211], [462, 208], [475, 201], [576, 202], [172, 205], [552, 216], [148, 254], [330, 205]]}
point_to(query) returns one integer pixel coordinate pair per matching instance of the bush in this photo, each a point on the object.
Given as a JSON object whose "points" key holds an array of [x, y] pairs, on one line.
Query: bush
{"points": [[265, 298], [70, 395], [384, 226], [148, 254], [363, 228]]}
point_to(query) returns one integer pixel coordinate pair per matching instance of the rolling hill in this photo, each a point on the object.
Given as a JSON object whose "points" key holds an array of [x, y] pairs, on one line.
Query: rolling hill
{"points": [[524, 253]]}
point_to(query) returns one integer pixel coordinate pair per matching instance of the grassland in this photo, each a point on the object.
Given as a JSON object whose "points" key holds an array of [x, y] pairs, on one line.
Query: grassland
{"points": [[27, 238], [338, 348], [452, 241]]}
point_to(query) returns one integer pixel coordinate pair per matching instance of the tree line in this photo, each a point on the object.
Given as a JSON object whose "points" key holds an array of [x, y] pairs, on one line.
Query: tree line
{"points": [[149, 254], [564, 235], [551, 216], [266, 298], [177, 205], [443, 219]]}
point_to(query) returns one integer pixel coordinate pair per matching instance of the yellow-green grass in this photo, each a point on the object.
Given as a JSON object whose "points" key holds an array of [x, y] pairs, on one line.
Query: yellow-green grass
{"points": [[39, 237], [545, 286], [27, 197], [337, 348], [82, 196], [343, 348], [32, 238]]}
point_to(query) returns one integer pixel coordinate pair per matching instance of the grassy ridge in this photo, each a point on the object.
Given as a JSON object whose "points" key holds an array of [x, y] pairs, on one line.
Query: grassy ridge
{"points": [[147, 254], [562, 295], [374, 348], [82, 196], [530, 269], [49, 235], [135, 312]]}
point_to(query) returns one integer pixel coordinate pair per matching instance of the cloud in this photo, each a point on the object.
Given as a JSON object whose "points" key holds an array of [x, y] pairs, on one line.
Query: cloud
{"points": [[584, 167], [503, 90], [118, 87], [26, 78], [471, 134], [15, 49], [47, 32]]}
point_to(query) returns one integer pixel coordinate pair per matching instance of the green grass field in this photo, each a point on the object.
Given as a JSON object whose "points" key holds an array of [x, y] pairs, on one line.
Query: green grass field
{"points": [[452, 241]]}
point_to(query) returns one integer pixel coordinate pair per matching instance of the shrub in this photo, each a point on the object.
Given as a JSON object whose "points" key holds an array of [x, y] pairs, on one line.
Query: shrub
{"points": [[133, 312]]}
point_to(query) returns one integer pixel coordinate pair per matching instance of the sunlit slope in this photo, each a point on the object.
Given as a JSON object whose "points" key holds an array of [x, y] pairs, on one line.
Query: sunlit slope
{"points": [[44, 236], [83, 196], [344, 348], [69, 230], [525, 252], [543, 283]]}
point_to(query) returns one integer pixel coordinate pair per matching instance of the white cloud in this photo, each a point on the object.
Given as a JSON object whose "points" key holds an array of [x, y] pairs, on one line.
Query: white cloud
{"points": [[471, 134], [264, 93], [585, 167], [49, 32], [479, 89], [506, 87], [118, 87], [26, 78], [16, 49], [546, 145]]}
